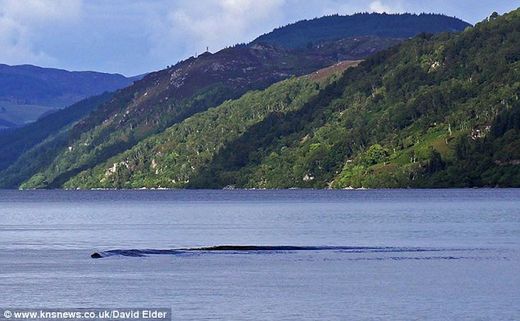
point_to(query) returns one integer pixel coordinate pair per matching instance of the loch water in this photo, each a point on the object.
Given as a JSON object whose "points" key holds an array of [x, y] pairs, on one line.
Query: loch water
{"points": [[449, 254]]}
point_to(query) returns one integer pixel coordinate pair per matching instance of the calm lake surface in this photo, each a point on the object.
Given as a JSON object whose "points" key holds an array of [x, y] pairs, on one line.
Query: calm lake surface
{"points": [[366, 255]]}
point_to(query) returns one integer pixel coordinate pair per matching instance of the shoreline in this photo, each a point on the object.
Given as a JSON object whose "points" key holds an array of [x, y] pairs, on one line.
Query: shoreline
{"points": [[266, 189]]}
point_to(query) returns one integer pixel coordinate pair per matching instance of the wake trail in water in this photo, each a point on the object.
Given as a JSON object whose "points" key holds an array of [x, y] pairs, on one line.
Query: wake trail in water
{"points": [[263, 249]]}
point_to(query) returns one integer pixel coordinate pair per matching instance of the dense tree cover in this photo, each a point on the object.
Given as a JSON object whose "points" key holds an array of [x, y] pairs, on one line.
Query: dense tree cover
{"points": [[85, 149], [169, 96], [164, 98], [435, 111], [308, 32], [174, 157], [115, 127], [405, 116], [493, 160]]}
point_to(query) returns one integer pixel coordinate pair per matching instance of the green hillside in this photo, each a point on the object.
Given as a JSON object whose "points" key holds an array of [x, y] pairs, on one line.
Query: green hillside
{"points": [[167, 97], [15, 142], [434, 111], [172, 158], [437, 111]]}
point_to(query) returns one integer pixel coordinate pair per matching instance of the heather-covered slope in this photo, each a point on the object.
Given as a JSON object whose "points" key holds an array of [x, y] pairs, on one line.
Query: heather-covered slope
{"points": [[167, 97], [170, 96], [436, 111], [174, 157]]}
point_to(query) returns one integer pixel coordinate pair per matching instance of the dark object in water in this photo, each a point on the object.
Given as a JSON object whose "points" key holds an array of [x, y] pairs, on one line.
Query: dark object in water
{"points": [[257, 249]]}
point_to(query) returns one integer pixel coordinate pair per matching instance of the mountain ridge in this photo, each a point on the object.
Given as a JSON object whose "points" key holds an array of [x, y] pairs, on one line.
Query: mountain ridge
{"points": [[164, 98], [435, 111], [27, 91], [333, 27]]}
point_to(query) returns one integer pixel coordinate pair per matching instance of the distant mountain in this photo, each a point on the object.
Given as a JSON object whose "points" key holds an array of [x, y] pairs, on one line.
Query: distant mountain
{"points": [[4, 124], [168, 97], [308, 32], [27, 92], [15, 141]]}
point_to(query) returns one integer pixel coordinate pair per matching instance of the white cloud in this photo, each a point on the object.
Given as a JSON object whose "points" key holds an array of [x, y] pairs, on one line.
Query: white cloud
{"points": [[20, 21], [379, 6], [136, 36], [194, 25], [41, 10], [15, 44]]}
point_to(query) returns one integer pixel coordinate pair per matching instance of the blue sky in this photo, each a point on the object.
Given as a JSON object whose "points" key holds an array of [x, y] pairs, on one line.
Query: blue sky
{"points": [[136, 36]]}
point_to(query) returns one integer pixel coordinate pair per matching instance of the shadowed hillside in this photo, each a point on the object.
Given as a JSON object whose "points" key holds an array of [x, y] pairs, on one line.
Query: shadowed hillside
{"points": [[167, 97], [436, 111], [309, 32]]}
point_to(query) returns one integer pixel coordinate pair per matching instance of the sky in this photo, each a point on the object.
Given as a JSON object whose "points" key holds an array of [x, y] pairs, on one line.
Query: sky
{"points": [[132, 37]]}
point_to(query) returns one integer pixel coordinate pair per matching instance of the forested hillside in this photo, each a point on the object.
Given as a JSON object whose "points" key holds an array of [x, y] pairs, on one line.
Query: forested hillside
{"points": [[174, 157], [167, 97], [170, 96], [310, 32], [435, 111]]}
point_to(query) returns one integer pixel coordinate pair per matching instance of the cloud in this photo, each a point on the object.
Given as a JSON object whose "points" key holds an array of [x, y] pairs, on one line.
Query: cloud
{"points": [[15, 43], [137, 36], [20, 22], [43, 11], [216, 24], [378, 6]]}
